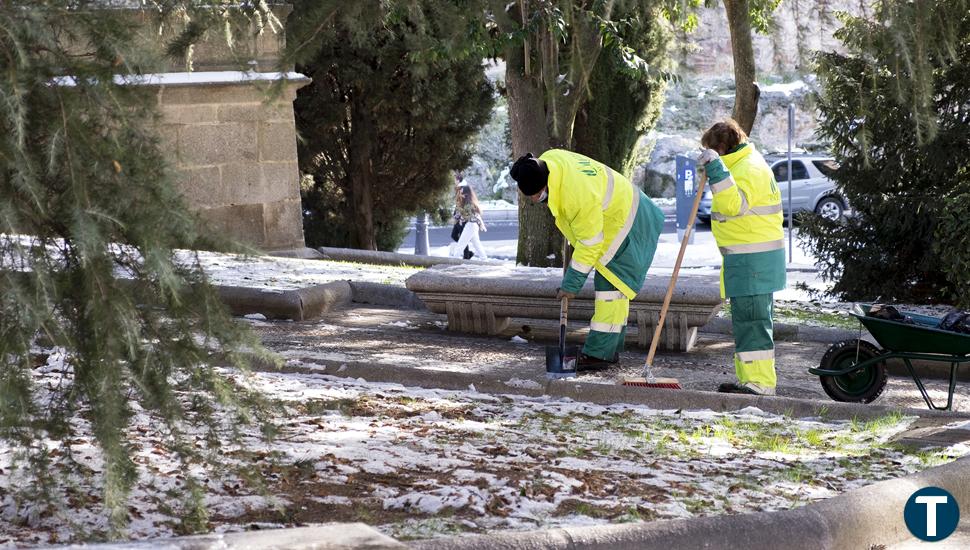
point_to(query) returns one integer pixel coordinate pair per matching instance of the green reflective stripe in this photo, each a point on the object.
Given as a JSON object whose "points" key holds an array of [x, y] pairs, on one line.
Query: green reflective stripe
{"points": [[606, 327], [610, 295], [761, 355], [747, 248], [608, 196], [607, 256], [593, 241], [753, 211], [722, 186], [580, 266]]}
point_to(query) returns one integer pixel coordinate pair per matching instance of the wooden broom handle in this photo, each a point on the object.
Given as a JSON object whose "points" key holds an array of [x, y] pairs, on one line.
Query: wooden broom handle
{"points": [[673, 278]]}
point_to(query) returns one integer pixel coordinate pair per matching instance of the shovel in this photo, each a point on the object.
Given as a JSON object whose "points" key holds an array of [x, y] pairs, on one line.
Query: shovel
{"points": [[561, 359]]}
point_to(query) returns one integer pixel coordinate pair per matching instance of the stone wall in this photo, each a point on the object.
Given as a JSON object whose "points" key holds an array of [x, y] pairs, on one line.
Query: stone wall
{"points": [[233, 151], [236, 159]]}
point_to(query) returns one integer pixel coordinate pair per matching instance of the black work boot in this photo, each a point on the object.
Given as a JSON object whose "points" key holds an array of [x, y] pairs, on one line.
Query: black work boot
{"points": [[588, 363]]}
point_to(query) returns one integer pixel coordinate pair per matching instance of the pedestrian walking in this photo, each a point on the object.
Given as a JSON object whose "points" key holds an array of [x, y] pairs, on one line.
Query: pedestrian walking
{"points": [[614, 229], [469, 214], [747, 221]]}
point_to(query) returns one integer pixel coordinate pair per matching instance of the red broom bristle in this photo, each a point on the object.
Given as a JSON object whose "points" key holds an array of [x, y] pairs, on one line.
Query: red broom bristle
{"points": [[666, 383]]}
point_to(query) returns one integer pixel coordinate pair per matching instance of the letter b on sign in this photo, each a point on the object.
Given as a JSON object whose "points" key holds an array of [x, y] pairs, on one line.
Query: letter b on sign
{"points": [[931, 514]]}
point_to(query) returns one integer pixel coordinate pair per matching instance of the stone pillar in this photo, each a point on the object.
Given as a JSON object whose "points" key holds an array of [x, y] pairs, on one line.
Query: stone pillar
{"points": [[235, 154]]}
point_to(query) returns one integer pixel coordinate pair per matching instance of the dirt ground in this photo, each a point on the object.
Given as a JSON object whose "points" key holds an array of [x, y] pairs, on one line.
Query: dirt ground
{"points": [[421, 340]]}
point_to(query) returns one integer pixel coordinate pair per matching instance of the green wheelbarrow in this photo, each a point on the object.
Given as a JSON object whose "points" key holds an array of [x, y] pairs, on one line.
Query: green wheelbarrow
{"points": [[855, 370]]}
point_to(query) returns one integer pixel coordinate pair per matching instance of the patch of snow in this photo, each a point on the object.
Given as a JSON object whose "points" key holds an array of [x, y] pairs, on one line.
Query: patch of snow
{"points": [[753, 411], [518, 340], [786, 88], [190, 78], [524, 384], [255, 316]]}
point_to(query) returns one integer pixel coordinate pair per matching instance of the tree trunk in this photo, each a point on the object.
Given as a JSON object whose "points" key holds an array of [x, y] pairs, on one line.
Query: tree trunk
{"points": [[361, 176], [746, 90], [540, 242]]}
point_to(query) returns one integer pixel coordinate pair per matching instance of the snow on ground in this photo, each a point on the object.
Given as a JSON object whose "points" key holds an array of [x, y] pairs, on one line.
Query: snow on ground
{"points": [[422, 463], [279, 274], [702, 253]]}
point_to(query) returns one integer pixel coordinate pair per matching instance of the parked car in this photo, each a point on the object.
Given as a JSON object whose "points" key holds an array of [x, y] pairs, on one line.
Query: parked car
{"points": [[812, 187]]}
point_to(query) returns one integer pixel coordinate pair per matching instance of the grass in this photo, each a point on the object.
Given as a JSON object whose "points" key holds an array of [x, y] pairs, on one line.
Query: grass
{"points": [[808, 316], [798, 316]]}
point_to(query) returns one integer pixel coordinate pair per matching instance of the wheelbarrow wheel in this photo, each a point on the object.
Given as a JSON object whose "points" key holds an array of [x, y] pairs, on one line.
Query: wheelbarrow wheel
{"points": [[860, 386]]}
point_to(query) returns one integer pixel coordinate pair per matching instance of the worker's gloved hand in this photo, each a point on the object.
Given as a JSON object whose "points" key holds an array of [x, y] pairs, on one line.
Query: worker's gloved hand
{"points": [[707, 156], [560, 294], [713, 166]]}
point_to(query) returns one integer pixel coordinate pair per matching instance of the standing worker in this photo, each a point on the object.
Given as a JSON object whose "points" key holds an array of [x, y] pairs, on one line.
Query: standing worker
{"points": [[747, 225], [613, 227]]}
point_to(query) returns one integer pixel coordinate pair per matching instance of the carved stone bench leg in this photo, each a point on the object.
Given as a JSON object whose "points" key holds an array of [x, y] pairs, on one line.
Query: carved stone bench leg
{"points": [[676, 335], [475, 318]]}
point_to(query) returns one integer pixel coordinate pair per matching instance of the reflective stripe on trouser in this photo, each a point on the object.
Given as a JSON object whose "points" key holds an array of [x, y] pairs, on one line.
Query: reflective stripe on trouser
{"points": [[754, 357], [608, 327]]}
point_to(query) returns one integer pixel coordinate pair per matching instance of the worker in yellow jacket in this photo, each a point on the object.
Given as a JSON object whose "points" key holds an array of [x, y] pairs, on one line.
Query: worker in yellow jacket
{"points": [[613, 228], [747, 221]]}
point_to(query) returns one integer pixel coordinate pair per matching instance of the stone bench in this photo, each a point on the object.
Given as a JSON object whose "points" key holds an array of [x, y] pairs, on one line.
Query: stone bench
{"points": [[482, 299]]}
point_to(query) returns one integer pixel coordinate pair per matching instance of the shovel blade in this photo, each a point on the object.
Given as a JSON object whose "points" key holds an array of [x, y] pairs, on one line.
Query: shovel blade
{"points": [[559, 365]]}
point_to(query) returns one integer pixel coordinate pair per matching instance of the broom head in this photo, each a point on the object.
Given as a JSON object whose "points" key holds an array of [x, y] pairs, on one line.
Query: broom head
{"points": [[667, 383]]}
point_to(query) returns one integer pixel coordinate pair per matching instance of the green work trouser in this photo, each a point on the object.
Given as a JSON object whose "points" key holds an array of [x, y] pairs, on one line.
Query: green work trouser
{"points": [[607, 329], [754, 346]]}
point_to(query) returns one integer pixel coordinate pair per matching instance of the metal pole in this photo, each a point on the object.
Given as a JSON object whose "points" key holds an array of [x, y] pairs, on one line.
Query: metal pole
{"points": [[421, 234], [791, 214]]}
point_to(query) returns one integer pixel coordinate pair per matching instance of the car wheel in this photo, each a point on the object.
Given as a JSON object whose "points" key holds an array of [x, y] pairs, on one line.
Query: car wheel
{"points": [[830, 208]]}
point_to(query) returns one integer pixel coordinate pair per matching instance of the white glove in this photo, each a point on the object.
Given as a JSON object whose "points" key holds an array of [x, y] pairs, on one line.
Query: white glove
{"points": [[707, 156]]}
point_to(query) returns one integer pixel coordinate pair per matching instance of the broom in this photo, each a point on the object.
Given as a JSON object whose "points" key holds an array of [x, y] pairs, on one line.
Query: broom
{"points": [[648, 380]]}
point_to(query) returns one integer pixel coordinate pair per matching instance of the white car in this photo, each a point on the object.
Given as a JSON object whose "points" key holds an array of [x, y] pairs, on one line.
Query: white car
{"points": [[812, 188]]}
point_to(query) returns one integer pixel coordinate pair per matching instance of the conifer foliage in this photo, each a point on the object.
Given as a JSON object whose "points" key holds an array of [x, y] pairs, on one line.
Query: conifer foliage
{"points": [[386, 120], [896, 108], [89, 222]]}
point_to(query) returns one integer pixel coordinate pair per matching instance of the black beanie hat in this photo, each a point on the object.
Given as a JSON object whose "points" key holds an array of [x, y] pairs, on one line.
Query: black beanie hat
{"points": [[529, 174]]}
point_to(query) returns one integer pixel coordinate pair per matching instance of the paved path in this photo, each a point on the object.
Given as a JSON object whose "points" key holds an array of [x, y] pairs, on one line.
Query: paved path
{"points": [[420, 340]]}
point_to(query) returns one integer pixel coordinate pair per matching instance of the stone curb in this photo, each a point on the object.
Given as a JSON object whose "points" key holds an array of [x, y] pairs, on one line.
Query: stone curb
{"points": [[386, 295], [607, 394], [333, 536], [862, 518], [393, 258], [299, 304]]}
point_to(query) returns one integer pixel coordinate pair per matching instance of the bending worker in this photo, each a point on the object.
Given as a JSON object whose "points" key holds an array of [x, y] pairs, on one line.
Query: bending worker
{"points": [[613, 227], [747, 225]]}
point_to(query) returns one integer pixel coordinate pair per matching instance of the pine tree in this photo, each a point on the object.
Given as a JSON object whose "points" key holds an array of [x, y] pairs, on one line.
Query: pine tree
{"points": [[89, 225], [384, 123], [896, 108]]}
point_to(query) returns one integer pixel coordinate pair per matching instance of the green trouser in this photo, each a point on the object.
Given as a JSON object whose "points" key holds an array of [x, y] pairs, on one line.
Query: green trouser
{"points": [[607, 329], [754, 347]]}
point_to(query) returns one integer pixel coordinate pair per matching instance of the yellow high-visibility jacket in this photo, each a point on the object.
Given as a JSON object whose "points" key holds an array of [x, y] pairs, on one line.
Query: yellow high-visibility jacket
{"points": [[595, 208], [746, 219]]}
